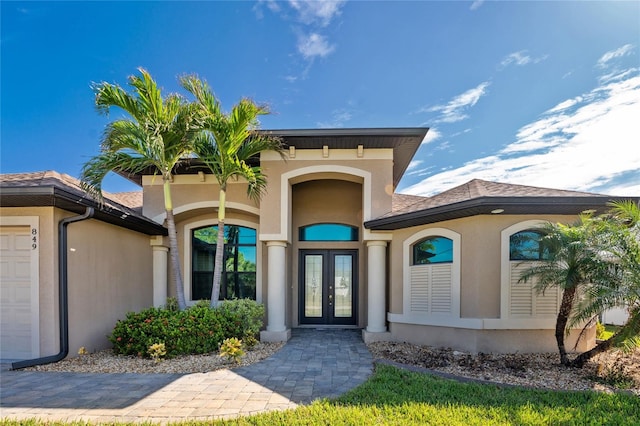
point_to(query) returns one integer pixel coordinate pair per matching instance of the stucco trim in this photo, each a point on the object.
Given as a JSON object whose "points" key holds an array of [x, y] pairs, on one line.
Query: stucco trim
{"points": [[230, 205], [437, 321], [474, 323], [455, 273], [187, 254], [286, 180], [33, 222]]}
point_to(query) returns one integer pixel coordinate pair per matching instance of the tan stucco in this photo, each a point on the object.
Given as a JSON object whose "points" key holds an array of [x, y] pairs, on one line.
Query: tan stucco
{"points": [[489, 341], [480, 290], [110, 274], [375, 174]]}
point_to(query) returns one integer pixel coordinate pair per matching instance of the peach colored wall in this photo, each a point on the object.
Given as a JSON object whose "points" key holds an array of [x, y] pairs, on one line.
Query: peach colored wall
{"points": [[480, 286], [480, 261], [110, 274], [381, 185]]}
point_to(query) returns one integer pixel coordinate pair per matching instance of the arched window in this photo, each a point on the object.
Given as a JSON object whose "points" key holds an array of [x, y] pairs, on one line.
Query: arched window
{"points": [[431, 277], [328, 232], [239, 266], [522, 246], [527, 245], [433, 250]]}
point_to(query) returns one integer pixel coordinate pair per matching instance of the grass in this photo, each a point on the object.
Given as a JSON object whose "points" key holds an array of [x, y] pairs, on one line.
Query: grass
{"points": [[397, 397]]}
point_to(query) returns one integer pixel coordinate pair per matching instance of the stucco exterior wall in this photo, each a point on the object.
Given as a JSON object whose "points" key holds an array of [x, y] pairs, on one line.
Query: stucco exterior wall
{"points": [[312, 166], [480, 261], [480, 291], [110, 273], [488, 341]]}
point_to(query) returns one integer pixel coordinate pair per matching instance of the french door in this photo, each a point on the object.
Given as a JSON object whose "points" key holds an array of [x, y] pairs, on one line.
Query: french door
{"points": [[328, 287]]}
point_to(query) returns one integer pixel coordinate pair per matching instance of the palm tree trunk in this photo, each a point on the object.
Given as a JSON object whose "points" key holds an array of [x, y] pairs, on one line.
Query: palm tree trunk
{"points": [[173, 247], [582, 359], [218, 266], [568, 295]]}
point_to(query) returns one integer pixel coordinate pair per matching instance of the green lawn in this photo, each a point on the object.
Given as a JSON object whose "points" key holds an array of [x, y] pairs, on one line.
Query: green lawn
{"points": [[398, 397]]}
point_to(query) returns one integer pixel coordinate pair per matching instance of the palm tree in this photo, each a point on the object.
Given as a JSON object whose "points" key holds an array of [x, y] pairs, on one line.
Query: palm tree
{"points": [[157, 135], [617, 282], [229, 145], [569, 265]]}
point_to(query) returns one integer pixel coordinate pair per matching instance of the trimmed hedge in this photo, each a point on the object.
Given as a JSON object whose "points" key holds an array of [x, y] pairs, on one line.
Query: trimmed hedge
{"points": [[196, 330]]}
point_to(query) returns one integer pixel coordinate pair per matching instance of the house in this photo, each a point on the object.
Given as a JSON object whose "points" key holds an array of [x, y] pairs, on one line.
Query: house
{"points": [[329, 245]]}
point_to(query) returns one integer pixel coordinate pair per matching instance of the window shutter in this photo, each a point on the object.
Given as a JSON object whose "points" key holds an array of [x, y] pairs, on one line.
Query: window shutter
{"points": [[420, 288], [525, 301], [521, 293], [431, 288]]}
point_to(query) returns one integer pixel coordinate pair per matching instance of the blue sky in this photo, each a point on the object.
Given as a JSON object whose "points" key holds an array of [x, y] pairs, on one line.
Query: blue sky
{"points": [[534, 93]]}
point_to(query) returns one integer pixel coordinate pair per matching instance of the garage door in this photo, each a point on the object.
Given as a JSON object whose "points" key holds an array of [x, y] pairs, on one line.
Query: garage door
{"points": [[15, 292]]}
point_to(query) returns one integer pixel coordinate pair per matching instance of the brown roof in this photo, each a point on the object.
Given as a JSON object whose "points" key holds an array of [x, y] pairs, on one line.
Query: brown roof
{"points": [[482, 197], [50, 188], [404, 141]]}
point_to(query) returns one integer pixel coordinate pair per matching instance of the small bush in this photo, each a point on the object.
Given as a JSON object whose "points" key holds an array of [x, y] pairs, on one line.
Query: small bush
{"points": [[243, 319], [157, 351], [231, 348], [196, 330]]}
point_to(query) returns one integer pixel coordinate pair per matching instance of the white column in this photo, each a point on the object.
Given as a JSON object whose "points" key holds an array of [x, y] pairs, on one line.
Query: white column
{"points": [[276, 294], [160, 254], [376, 277]]}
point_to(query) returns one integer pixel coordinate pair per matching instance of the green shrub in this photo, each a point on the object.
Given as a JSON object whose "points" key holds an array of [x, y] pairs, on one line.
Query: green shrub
{"points": [[243, 319], [196, 330]]}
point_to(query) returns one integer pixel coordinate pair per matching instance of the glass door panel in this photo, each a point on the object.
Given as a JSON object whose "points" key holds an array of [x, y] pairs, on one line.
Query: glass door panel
{"points": [[342, 290], [313, 288]]}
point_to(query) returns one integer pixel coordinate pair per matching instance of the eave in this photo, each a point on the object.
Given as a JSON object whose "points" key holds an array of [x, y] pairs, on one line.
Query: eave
{"points": [[404, 142], [487, 205], [53, 196]]}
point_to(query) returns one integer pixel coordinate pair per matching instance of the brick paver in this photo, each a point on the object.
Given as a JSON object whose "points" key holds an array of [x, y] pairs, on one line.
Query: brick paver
{"points": [[314, 364]]}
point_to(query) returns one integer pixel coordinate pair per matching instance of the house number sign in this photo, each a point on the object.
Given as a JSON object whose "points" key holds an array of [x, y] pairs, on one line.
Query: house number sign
{"points": [[34, 238]]}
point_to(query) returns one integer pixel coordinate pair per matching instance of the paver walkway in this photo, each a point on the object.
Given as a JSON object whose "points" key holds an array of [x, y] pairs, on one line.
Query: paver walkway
{"points": [[313, 364]]}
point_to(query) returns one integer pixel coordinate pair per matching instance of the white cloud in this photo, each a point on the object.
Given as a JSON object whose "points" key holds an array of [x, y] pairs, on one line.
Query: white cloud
{"points": [[455, 109], [338, 119], [520, 58], [476, 4], [414, 164], [566, 104], [583, 143], [625, 50], [313, 45], [517, 58], [431, 136], [317, 12]]}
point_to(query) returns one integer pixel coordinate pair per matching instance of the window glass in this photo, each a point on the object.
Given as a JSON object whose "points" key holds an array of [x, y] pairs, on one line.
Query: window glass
{"points": [[239, 273], [433, 250], [328, 232], [527, 245]]}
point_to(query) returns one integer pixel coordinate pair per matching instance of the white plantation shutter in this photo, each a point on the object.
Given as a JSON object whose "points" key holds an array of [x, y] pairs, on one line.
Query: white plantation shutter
{"points": [[420, 288], [431, 288], [524, 300]]}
